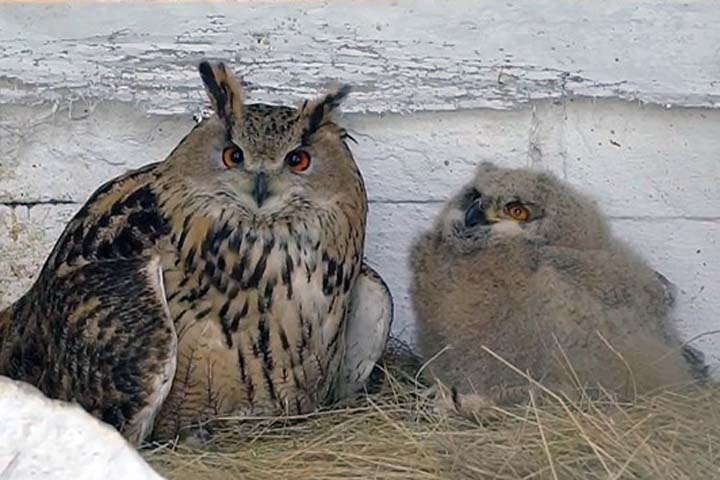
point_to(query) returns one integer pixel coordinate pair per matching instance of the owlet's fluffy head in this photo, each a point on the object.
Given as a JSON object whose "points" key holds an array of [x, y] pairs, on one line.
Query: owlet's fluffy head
{"points": [[503, 205], [264, 161]]}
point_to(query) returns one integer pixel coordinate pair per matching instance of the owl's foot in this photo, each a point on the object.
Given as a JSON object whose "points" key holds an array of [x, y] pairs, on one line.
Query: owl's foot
{"points": [[448, 401], [196, 436]]}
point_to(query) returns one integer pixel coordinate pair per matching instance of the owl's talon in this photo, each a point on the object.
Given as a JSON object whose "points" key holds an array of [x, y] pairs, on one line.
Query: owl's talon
{"points": [[197, 436]]}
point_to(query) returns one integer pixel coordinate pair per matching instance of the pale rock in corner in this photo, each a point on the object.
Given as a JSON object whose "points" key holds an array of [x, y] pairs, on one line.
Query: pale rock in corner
{"points": [[49, 439]]}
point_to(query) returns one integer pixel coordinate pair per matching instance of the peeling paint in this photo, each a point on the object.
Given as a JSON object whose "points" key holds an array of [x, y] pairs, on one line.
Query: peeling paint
{"points": [[401, 57]]}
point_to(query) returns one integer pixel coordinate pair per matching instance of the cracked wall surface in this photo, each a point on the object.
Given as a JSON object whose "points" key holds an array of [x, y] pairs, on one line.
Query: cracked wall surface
{"points": [[628, 111], [400, 56]]}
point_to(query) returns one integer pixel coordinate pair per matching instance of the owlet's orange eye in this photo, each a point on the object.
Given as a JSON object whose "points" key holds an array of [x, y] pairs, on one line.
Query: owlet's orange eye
{"points": [[298, 161], [232, 156], [517, 211]]}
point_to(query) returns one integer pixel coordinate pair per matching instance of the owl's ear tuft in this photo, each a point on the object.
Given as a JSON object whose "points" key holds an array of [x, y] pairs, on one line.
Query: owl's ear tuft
{"points": [[223, 89], [333, 99], [320, 111]]}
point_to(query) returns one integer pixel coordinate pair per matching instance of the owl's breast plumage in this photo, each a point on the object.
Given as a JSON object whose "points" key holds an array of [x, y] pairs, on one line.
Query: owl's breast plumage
{"points": [[259, 312]]}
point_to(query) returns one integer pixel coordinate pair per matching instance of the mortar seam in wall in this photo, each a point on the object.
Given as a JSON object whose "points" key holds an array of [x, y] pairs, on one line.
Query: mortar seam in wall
{"points": [[647, 218], [534, 152], [36, 203], [641, 218], [563, 127]]}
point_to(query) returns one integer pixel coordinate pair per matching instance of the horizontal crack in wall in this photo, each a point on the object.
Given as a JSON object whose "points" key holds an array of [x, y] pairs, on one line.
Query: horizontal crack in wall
{"points": [[384, 201], [36, 203]]}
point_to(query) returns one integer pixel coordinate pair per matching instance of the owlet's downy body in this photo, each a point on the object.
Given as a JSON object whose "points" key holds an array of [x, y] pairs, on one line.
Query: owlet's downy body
{"points": [[519, 265], [228, 278]]}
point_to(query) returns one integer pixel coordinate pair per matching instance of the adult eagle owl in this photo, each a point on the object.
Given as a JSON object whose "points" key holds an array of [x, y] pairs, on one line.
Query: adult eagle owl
{"points": [[228, 278]]}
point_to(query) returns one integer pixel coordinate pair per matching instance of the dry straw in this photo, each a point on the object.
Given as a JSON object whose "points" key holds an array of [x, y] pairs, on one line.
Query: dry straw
{"points": [[396, 434]]}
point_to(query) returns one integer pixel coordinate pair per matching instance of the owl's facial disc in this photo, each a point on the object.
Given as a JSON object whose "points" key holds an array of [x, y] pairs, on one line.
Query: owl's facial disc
{"points": [[483, 219], [482, 211]]}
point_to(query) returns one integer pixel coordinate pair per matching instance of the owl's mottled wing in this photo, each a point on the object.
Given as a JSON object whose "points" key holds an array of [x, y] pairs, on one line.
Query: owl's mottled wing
{"points": [[368, 325], [100, 335]]}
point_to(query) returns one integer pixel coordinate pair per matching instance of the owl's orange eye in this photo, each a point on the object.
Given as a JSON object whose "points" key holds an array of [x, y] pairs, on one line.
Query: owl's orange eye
{"points": [[298, 161], [232, 156], [517, 211]]}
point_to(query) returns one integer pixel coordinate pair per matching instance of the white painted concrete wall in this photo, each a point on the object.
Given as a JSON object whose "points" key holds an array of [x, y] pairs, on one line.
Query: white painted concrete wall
{"points": [[621, 98]]}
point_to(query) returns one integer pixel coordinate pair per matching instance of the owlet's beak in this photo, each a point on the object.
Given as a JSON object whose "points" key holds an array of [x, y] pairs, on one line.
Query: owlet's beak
{"points": [[475, 215]]}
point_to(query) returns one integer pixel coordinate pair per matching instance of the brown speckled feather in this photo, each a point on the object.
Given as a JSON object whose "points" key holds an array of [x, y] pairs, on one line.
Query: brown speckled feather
{"points": [[99, 334]]}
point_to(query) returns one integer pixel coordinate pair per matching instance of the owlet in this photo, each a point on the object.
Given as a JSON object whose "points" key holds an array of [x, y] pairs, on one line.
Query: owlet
{"points": [[520, 266]]}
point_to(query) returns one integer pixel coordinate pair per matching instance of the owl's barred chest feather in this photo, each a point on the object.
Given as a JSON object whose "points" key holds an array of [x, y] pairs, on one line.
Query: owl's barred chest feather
{"points": [[259, 311]]}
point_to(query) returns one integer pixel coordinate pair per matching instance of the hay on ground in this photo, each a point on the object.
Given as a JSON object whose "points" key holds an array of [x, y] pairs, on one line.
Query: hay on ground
{"points": [[396, 434]]}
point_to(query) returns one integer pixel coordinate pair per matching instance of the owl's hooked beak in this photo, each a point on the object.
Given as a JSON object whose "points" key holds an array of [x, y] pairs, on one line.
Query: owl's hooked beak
{"points": [[475, 215], [260, 191]]}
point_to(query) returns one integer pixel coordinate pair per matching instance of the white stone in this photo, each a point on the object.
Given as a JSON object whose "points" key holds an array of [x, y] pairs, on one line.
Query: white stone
{"points": [[47, 439]]}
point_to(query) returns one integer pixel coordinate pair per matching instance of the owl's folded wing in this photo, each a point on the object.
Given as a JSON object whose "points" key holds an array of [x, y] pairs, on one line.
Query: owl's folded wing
{"points": [[368, 325], [104, 339]]}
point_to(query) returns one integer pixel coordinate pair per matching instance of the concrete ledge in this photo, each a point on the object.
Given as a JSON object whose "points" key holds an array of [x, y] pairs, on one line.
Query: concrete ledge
{"points": [[400, 56]]}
